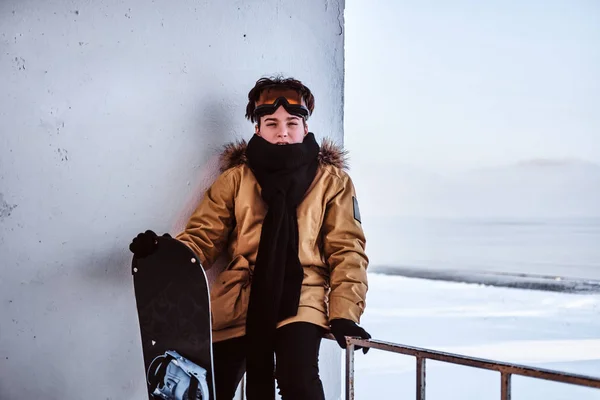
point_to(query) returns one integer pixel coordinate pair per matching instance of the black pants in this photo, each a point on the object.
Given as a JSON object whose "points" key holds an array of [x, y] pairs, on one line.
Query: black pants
{"points": [[297, 368]]}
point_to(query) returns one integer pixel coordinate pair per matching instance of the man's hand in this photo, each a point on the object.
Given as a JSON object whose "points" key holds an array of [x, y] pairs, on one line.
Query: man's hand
{"points": [[341, 327], [145, 244]]}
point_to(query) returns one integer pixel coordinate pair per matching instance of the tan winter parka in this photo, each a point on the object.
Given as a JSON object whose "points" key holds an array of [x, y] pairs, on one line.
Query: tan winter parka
{"points": [[331, 242]]}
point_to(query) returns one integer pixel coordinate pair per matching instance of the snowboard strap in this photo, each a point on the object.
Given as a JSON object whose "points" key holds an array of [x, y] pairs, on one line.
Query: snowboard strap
{"points": [[159, 377], [193, 390]]}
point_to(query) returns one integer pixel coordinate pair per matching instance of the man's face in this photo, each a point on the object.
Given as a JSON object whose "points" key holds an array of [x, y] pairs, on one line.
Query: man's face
{"points": [[282, 128]]}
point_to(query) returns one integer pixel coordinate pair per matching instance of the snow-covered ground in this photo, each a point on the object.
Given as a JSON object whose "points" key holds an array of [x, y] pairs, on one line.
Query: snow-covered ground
{"points": [[552, 330]]}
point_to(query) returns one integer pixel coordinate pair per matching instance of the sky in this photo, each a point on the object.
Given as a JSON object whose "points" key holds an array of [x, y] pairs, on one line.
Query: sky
{"points": [[458, 85]]}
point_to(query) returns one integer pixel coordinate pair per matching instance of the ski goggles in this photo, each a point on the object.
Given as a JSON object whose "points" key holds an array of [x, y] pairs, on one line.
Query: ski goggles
{"points": [[271, 100]]}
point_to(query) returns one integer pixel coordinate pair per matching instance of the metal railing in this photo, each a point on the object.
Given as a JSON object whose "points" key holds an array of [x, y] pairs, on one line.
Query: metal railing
{"points": [[507, 370]]}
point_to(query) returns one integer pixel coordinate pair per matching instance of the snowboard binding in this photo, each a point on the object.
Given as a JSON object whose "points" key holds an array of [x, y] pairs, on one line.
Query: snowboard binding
{"points": [[173, 377]]}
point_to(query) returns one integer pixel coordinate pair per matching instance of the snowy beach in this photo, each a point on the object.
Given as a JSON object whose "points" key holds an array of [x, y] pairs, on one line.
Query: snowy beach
{"points": [[557, 331]]}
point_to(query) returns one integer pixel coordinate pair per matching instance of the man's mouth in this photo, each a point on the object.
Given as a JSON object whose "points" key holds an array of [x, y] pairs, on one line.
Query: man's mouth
{"points": [[281, 143]]}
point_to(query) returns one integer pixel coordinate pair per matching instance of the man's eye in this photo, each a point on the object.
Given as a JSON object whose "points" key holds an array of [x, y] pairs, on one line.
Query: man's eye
{"points": [[270, 124], [293, 123]]}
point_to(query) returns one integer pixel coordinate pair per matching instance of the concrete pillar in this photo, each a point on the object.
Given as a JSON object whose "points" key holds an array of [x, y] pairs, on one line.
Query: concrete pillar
{"points": [[112, 113]]}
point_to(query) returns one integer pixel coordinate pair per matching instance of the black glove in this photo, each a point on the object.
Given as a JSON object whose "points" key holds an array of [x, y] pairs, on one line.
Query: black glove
{"points": [[341, 327], [145, 244]]}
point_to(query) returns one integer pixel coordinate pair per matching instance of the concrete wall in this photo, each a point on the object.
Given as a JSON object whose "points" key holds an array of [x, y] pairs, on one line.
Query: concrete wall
{"points": [[111, 116]]}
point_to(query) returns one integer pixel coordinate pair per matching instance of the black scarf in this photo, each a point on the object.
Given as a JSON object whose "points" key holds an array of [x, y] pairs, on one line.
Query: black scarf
{"points": [[284, 174]]}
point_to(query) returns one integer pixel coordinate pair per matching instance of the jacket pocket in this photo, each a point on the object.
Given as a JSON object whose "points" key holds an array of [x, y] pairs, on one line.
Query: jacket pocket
{"points": [[229, 298], [315, 296]]}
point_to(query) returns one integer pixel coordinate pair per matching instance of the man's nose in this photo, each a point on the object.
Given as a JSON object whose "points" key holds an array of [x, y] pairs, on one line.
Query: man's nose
{"points": [[283, 132]]}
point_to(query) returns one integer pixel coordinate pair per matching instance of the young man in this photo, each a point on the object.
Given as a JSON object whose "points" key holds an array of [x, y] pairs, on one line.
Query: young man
{"points": [[287, 213]]}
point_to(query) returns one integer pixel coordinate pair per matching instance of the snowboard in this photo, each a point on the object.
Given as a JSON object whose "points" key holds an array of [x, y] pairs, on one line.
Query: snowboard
{"points": [[173, 303]]}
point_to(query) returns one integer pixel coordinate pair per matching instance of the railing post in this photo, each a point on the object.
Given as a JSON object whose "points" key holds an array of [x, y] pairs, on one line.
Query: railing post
{"points": [[505, 389], [420, 378], [349, 370]]}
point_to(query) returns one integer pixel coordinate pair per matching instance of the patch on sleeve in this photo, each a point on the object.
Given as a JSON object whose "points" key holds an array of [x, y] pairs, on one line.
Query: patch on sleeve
{"points": [[356, 210]]}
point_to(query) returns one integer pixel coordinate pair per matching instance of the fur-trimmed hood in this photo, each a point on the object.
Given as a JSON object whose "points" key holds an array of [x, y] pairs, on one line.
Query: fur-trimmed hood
{"points": [[234, 154]]}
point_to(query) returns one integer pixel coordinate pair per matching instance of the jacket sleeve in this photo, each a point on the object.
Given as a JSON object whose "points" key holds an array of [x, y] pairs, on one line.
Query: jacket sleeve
{"points": [[208, 229], [344, 247]]}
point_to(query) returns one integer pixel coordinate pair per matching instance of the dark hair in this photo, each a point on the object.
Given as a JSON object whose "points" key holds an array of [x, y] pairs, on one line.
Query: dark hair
{"points": [[287, 83]]}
